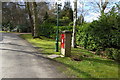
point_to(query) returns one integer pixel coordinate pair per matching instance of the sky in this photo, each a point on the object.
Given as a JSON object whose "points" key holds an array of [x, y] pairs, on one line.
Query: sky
{"points": [[89, 11]]}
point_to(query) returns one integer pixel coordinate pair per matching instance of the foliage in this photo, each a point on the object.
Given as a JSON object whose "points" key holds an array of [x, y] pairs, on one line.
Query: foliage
{"points": [[66, 15], [62, 28], [80, 20], [101, 34], [46, 16], [106, 30], [113, 53], [84, 38], [64, 21], [22, 28], [7, 26], [46, 29]]}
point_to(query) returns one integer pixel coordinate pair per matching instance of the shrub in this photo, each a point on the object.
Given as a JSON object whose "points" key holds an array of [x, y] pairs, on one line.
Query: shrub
{"points": [[85, 39], [46, 29], [49, 29], [113, 53], [116, 54], [102, 33]]}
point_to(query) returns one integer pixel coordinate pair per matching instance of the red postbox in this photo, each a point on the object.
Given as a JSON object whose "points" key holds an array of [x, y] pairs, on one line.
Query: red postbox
{"points": [[62, 40], [66, 43]]}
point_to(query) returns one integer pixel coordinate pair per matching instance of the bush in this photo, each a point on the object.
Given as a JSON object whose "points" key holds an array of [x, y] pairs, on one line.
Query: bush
{"points": [[22, 28], [62, 28], [85, 39], [116, 54], [46, 29], [49, 30], [113, 53], [102, 33], [109, 53], [7, 26]]}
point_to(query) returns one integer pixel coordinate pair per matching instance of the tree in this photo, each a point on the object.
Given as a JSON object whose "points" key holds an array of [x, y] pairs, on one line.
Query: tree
{"points": [[101, 4], [80, 19], [35, 20], [74, 25], [82, 11], [30, 17], [25, 15], [46, 16], [66, 14], [36, 15], [13, 14], [42, 8]]}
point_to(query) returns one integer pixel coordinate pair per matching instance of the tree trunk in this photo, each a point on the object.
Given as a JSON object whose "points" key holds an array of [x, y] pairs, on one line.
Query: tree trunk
{"points": [[30, 17], [35, 20], [102, 6], [74, 24]]}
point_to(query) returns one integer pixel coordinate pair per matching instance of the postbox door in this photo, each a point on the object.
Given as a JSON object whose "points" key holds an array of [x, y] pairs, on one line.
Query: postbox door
{"points": [[62, 40]]}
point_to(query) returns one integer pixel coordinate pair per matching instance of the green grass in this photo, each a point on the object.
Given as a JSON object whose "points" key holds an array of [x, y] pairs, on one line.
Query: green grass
{"points": [[2, 31], [45, 45], [7, 32], [91, 66]]}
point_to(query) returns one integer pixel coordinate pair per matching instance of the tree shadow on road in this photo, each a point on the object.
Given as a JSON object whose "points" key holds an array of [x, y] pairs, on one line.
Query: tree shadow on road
{"points": [[13, 44], [54, 62]]}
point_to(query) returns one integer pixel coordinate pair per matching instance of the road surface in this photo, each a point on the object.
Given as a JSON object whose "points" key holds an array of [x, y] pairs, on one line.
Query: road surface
{"points": [[19, 61]]}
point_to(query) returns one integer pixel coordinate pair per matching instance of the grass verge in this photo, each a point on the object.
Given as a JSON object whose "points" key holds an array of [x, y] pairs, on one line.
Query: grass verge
{"points": [[89, 66], [2, 31]]}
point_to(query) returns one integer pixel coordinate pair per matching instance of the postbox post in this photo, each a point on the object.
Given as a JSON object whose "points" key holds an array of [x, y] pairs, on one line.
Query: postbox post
{"points": [[66, 43]]}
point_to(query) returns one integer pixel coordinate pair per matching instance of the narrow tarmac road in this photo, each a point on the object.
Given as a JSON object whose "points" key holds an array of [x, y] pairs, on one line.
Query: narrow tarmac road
{"points": [[18, 60]]}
